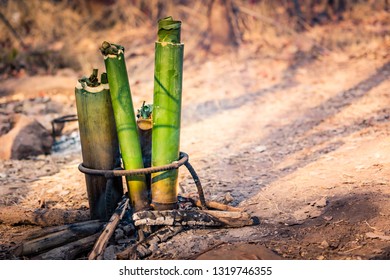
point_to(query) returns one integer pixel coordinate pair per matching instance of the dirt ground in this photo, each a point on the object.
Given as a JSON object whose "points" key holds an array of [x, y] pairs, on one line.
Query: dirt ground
{"points": [[298, 136]]}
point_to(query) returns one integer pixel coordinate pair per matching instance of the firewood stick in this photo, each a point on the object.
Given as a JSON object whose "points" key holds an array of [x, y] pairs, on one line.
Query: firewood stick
{"points": [[144, 247], [210, 218], [55, 239], [45, 231], [101, 243], [69, 251], [15, 215]]}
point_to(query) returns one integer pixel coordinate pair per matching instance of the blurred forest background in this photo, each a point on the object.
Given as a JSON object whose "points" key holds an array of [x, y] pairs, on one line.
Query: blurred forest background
{"points": [[43, 37]]}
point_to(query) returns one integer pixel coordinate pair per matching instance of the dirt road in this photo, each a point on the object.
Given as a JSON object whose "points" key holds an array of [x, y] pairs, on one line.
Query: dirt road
{"points": [[299, 139]]}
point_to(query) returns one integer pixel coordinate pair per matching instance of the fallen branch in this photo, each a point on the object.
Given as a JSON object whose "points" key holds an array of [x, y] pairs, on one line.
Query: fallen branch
{"points": [[146, 247], [101, 243], [69, 251], [209, 218], [14, 215], [57, 238], [216, 205]]}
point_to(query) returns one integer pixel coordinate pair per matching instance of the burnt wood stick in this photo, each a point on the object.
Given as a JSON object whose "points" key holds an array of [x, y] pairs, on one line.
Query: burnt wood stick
{"points": [[14, 215], [101, 243], [55, 239], [209, 218], [145, 247], [69, 251], [45, 231]]}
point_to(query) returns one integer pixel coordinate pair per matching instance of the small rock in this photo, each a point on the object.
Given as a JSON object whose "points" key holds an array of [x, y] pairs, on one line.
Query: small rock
{"points": [[3, 175], [27, 138], [109, 253], [324, 244], [128, 230], [123, 241], [315, 213], [321, 202], [309, 211], [300, 215], [260, 149], [320, 258], [228, 197], [119, 234]]}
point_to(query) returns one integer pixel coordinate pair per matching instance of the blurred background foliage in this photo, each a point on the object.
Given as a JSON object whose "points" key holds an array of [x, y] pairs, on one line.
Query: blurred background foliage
{"points": [[42, 37]]}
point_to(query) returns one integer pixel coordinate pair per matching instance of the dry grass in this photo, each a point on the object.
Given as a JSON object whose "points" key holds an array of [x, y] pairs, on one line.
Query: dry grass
{"points": [[67, 33]]}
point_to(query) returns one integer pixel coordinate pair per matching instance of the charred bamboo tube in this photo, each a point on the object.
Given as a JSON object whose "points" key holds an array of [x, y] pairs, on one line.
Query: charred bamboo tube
{"points": [[168, 75], [144, 123], [126, 126], [99, 143]]}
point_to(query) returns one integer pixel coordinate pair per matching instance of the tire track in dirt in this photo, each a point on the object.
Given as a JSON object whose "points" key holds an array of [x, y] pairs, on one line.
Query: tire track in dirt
{"points": [[286, 140]]}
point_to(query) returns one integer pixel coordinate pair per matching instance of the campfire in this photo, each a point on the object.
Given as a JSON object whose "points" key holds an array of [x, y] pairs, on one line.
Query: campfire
{"points": [[144, 153]]}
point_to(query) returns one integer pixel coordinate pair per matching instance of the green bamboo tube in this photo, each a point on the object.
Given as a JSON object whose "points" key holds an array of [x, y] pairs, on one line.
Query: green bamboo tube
{"points": [[126, 126], [99, 144], [168, 76]]}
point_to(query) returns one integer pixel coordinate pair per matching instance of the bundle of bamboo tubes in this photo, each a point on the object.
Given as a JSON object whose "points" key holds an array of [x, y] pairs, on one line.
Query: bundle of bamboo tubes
{"points": [[112, 138], [108, 125]]}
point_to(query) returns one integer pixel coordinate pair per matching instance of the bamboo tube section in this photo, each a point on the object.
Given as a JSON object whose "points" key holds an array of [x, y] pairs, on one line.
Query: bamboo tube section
{"points": [[168, 74], [126, 126], [99, 143], [144, 123]]}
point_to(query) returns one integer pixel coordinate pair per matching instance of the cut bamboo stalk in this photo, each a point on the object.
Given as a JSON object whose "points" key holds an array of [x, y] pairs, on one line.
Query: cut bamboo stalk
{"points": [[168, 76], [99, 144], [101, 243], [144, 124], [126, 126]]}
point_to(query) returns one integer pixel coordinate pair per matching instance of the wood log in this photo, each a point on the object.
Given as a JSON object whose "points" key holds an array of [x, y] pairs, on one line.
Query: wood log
{"points": [[58, 238], [69, 251], [209, 218], [146, 247], [15, 215], [101, 243], [45, 231]]}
